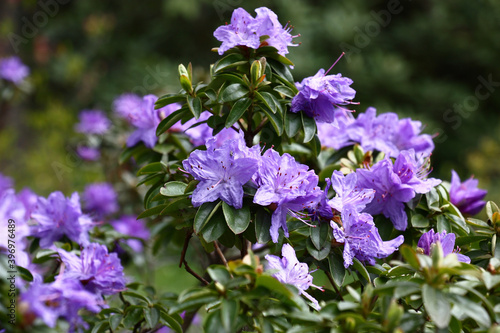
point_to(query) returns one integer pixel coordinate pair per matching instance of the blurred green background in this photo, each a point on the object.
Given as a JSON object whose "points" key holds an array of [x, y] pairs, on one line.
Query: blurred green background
{"points": [[422, 59]]}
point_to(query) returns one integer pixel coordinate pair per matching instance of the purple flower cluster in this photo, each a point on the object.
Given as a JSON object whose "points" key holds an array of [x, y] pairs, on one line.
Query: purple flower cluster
{"points": [[293, 272], [429, 239], [466, 196], [88, 153], [244, 30], [62, 298], [222, 172], [100, 199], [287, 186], [358, 232], [395, 184], [361, 238], [58, 216], [12, 69], [321, 94], [386, 133], [93, 122], [99, 272]]}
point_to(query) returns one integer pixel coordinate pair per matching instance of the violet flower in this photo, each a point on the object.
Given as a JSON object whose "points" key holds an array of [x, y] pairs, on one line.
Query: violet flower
{"points": [[5, 183], [145, 119], [99, 271], [100, 199], [222, 172], [429, 239], [348, 192], [58, 216], [93, 122], [466, 196], [361, 238], [293, 272], [127, 106], [62, 298], [12, 69], [244, 30], [88, 153], [321, 94], [129, 225], [335, 135], [288, 186]]}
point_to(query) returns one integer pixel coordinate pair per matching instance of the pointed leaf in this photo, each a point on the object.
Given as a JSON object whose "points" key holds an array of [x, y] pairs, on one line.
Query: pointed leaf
{"points": [[173, 189], [436, 305], [205, 212], [309, 127], [171, 120], [238, 110], [194, 104], [233, 92]]}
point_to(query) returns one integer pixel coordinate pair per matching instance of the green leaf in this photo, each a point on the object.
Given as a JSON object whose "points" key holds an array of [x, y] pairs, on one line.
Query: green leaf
{"points": [[436, 305], [231, 60], [212, 322], [410, 256], [230, 77], [44, 255], [491, 208], [361, 269], [319, 235], [433, 200], [309, 127], [100, 327], [337, 269], [276, 120], [24, 274], [170, 322], [419, 221], [293, 123], [152, 211], [237, 219], [285, 91], [318, 254], [133, 316], [151, 168], [204, 214], [233, 92], [170, 120], [214, 228], [169, 99], [134, 294], [272, 284], [262, 226], [472, 310], [115, 320], [219, 273], [194, 104], [229, 315], [443, 224], [152, 316], [270, 102], [173, 189], [466, 240], [238, 110]]}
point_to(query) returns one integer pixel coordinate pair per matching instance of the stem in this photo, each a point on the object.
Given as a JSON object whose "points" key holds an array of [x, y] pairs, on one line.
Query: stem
{"points": [[332, 282], [184, 248], [220, 254], [259, 127], [193, 273], [244, 246]]}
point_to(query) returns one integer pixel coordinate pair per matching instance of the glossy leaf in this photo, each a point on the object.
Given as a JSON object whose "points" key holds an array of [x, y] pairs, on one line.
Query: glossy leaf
{"points": [[204, 214], [236, 219], [309, 125], [173, 189], [237, 111], [436, 305], [233, 92], [194, 104]]}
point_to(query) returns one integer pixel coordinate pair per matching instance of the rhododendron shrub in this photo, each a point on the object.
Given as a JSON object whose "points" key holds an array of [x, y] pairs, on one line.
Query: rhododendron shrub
{"points": [[289, 212]]}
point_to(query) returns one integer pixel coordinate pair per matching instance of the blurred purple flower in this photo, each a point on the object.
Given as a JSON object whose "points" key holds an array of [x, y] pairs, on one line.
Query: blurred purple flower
{"points": [[335, 135], [466, 196], [11, 208], [29, 200], [145, 119], [245, 30], [321, 94], [348, 192], [127, 106], [129, 225], [93, 122], [291, 271], [407, 136], [429, 239], [361, 238], [288, 186], [222, 172], [88, 153], [413, 171], [99, 271], [100, 199], [58, 216], [61, 298], [5, 183], [12, 69]]}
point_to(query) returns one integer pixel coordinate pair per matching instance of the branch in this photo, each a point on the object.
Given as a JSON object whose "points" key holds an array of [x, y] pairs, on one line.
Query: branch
{"points": [[332, 282], [184, 248], [220, 254], [193, 273]]}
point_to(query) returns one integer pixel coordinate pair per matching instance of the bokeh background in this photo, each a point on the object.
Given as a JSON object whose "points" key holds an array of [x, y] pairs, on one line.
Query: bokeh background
{"points": [[422, 59]]}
